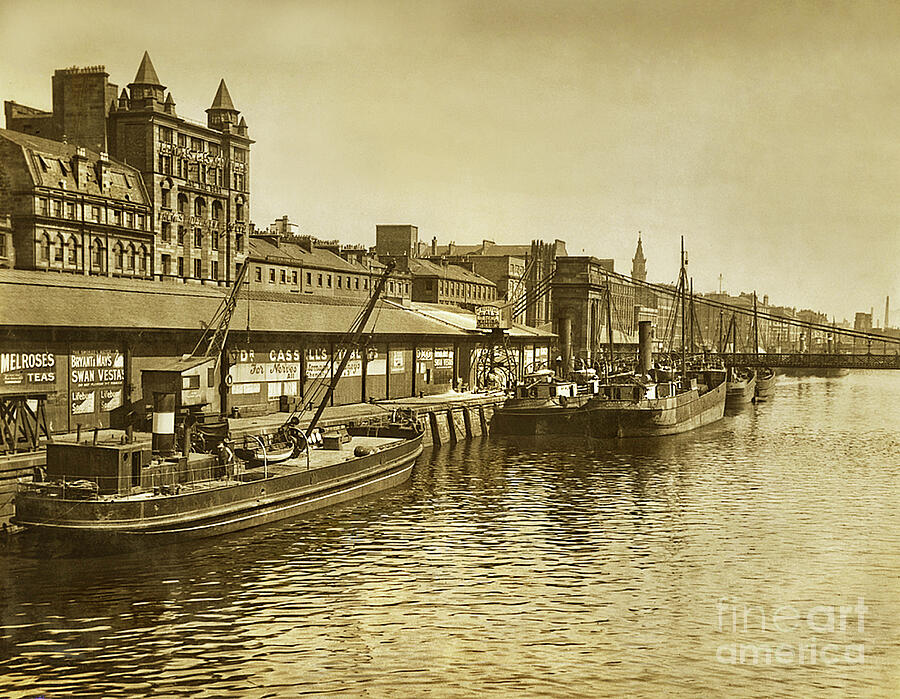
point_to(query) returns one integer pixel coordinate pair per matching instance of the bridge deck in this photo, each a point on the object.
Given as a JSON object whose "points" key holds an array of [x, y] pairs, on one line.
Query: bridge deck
{"points": [[815, 361]]}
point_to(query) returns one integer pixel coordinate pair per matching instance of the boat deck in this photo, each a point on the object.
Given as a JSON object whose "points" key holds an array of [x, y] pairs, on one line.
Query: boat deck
{"points": [[319, 458]]}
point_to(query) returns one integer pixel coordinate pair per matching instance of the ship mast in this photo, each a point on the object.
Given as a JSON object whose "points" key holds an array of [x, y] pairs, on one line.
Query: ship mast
{"points": [[681, 285]]}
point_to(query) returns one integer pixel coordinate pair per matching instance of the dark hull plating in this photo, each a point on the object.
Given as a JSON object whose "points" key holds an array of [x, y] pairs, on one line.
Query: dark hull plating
{"points": [[220, 509], [602, 418], [658, 417]]}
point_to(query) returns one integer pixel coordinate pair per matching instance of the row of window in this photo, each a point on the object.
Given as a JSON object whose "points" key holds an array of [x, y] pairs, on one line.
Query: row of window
{"points": [[197, 237], [463, 289], [194, 171], [167, 135], [94, 213], [130, 258], [324, 280], [199, 209], [197, 267]]}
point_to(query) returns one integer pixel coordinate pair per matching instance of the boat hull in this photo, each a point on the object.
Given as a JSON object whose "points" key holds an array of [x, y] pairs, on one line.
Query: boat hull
{"points": [[740, 392], [221, 509], [765, 384], [657, 417], [613, 418]]}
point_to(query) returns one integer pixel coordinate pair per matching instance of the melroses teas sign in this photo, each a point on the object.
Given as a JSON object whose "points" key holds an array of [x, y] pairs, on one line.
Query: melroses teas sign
{"points": [[27, 372]]}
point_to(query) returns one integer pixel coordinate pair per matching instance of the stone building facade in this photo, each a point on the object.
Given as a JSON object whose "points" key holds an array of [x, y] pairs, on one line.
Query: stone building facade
{"points": [[197, 176], [581, 317], [74, 210]]}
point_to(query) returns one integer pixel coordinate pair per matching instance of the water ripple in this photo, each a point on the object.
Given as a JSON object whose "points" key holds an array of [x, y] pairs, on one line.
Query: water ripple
{"points": [[514, 567]]}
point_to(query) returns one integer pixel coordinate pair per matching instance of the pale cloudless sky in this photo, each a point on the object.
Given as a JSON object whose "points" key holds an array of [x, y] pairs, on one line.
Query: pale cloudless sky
{"points": [[764, 132]]}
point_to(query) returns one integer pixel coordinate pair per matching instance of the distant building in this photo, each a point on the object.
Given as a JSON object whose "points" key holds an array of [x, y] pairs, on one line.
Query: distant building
{"points": [[197, 177], [863, 322], [639, 262], [539, 266], [397, 240], [581, 315], [299, 265], [75, 210], [448, 284], [432, 282]]}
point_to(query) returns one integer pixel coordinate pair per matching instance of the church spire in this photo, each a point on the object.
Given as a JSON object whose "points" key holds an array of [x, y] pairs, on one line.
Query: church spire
{"points": [[639, 262]]}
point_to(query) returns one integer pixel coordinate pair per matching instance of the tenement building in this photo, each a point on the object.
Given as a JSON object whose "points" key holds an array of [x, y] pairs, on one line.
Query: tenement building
{"points": [[197, 177], [304, 265], [441, 283], [74, 210]]}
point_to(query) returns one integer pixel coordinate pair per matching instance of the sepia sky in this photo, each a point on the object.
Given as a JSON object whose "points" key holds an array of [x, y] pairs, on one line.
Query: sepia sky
{"points": [[764, 132]]}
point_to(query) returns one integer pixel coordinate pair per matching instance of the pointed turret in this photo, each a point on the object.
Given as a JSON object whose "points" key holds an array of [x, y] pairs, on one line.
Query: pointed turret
{"points": [[169, 106], [222, 114], [146, 73], [146, 85], [639, 262]]}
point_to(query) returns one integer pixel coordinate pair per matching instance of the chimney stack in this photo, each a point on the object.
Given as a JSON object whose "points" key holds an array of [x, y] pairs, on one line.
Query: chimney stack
{"points": [[103, 171], [887, 312], [434, 246], [80, 166]]}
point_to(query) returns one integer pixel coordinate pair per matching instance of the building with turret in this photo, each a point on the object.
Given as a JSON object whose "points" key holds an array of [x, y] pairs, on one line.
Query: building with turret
{"points": [[639, 262], [197, 177]]}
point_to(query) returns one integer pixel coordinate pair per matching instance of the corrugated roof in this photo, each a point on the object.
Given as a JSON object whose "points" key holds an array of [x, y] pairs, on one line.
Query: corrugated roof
{"points": [[465, 320], [67, 300]]}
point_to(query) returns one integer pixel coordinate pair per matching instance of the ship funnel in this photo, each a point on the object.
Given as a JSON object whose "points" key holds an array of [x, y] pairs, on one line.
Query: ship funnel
{"points": [[645, 347]]}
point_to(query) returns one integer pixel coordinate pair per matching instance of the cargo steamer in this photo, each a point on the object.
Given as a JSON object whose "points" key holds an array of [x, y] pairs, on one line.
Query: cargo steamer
{"points": [[137, 502], [657, 409]]}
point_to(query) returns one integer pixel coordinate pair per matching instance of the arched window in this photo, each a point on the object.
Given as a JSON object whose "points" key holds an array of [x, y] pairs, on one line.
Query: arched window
{"points": [[217, 211], [44, 249], [129, 259], [58, 246], [72, 252], [118, 257], [141, 261], [98, 261], [239, 208], [182, 204], [199, 207], [166, 195]]}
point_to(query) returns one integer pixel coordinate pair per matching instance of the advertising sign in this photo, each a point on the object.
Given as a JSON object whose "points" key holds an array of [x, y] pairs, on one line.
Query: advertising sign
{"points": [[21, 372], [443, 358], [397, 362], [487, 317], [96, 377]]}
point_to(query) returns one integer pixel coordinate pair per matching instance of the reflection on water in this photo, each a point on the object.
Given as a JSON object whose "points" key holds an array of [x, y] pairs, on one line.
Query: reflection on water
{"points": [[619, 568]]}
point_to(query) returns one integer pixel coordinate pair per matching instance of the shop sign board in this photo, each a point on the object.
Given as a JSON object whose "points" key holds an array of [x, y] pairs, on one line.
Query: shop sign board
{"points": [[24, 372]]}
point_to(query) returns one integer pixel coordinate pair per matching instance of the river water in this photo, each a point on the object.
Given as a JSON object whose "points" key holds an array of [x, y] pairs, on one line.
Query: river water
{"points": [[759, 556]]}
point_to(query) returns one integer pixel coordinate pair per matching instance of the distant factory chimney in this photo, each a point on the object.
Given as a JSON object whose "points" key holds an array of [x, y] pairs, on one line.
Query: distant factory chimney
{"points": [[887, 312]]}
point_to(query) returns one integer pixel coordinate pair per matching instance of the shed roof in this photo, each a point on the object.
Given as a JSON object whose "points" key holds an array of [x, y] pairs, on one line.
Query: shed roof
{"points": [[43, 299]]}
